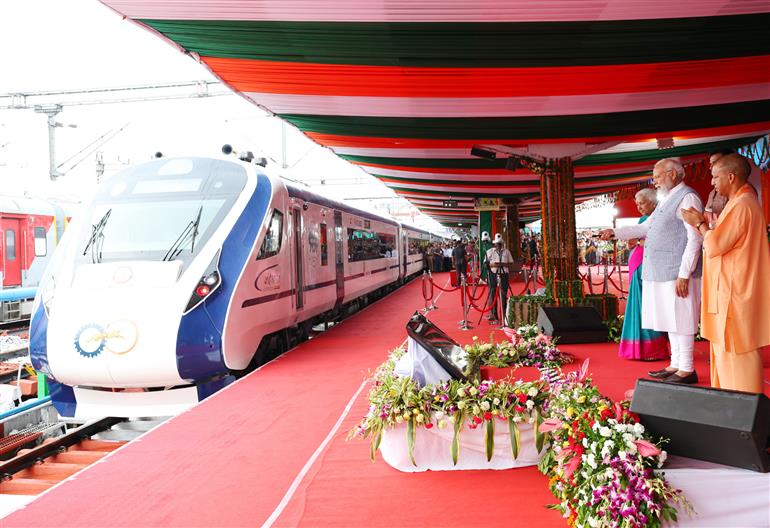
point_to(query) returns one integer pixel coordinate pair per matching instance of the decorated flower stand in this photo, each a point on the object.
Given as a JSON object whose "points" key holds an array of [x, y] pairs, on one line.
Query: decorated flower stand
{"points": [[433, 448]]}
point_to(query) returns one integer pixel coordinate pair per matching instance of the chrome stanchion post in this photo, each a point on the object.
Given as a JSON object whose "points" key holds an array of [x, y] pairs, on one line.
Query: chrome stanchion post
{"points": [[526, 281], [464, 325], [606, 286], [424, 292], [432, 297], [620, 278]]}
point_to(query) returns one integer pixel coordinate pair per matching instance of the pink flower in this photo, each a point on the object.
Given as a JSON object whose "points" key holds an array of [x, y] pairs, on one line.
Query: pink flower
{"points": [[512, 335], [618, 410], [646, 448], [571, 466], [551, 424], [564, 453], [584, 369]]}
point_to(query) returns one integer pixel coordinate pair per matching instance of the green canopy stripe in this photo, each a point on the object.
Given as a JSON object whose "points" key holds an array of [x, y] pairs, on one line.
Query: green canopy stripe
{"points": [[504, 44], [544, 127]]}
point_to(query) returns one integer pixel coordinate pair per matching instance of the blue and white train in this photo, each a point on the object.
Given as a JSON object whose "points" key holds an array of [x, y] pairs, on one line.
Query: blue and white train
{"points": [[183, 273]]}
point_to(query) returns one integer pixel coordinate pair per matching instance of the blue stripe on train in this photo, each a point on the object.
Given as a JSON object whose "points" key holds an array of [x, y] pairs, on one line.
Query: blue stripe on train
{"points": [[17, 294], [199, 340]]}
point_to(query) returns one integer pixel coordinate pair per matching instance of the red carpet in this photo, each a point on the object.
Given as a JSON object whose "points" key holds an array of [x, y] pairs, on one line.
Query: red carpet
{"points": [[231, 460]]}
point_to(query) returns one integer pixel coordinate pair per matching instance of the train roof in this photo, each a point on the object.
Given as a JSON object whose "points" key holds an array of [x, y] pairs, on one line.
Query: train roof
{"points": [[19, 205], [309, 196]]}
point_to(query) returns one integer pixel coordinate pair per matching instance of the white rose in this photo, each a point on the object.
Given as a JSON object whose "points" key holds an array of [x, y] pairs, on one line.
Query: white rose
{"points": [[532, 392], [530, 404], [622, 455], [517, 418], [639, 429], [439, 415], [605, 432], [485, 405], [585, 442], [496, 401]]}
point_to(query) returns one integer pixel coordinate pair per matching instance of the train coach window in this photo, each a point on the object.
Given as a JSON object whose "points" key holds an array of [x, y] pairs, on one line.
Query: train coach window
{"points": [[367, 245], [324, 245], [41, 243], [10, 245], [272, 243]]}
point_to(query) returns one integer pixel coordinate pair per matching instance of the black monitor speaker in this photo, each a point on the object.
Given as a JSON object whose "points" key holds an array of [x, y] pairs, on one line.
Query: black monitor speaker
{"points": [[578, 324], [722, 426]]}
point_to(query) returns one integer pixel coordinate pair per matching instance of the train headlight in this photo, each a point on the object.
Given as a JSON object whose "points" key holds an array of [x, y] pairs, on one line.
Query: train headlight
{"points": [[209, 282]]}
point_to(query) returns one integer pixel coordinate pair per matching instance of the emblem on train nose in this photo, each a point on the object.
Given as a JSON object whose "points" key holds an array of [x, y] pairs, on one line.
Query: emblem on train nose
{"points": [[119, 337], [122, 275], [89, 341]]}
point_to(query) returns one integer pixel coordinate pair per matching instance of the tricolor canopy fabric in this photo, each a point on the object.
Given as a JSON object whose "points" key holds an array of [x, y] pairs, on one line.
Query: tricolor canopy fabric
{"points": [[405, 88]]}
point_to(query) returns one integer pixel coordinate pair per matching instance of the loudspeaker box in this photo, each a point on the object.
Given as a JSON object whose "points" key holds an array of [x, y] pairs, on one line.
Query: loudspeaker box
{"points": [[572, 324], [722, 426]]}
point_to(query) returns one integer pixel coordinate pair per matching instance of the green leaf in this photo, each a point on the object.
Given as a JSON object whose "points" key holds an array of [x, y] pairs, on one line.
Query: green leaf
{"points": [[515, 438], [539, 437], [490, 438], [410, 439], [374, 444], [456, 437]]}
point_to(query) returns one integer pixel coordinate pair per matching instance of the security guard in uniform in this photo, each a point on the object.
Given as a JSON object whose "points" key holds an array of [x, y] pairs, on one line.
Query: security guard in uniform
{"points": [[485, 245], [499, 260]]}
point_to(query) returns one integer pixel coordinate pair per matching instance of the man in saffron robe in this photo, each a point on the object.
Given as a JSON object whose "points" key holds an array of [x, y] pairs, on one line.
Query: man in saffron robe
{"points": [[735, 314]]}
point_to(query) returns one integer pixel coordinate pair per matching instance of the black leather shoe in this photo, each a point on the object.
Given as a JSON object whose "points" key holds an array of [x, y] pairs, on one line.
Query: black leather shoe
{"points": [[660, 374], [689, 379]]}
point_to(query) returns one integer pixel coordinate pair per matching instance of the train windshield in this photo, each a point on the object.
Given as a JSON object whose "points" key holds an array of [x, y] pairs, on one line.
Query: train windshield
{"points": [[164, 210]]}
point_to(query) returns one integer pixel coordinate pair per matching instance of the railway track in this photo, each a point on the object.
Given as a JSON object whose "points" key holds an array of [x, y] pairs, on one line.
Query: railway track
{"points": [[33, 471]]}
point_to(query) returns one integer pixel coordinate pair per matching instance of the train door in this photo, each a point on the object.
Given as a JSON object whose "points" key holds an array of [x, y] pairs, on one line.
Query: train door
{"points": [[404, 252], [11, 252], [338, 256], [296, 222]]}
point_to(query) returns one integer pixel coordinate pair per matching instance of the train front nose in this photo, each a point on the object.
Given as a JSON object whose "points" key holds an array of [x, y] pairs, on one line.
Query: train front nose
{"points": [[119, 328]]}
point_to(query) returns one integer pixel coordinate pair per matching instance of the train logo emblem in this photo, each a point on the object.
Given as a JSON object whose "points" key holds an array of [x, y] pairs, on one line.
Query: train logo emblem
{"points": [[269, 279], [122, 275], [118, 337]]}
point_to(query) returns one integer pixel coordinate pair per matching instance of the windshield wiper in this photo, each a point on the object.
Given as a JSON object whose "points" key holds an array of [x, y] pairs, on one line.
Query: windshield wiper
{"points": [[96, 234], [190, 233]]}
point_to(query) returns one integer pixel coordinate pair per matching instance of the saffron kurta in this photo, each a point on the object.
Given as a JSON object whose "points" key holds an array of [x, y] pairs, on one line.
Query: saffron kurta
{"points": [[735, 313]]}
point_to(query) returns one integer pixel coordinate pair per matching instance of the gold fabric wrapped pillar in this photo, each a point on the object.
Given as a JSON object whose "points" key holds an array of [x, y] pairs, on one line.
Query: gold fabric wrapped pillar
{"points": [[557, 189]]}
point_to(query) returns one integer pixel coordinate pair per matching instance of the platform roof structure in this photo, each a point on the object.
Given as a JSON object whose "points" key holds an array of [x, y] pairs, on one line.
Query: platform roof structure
{"points": [[406, 88]]}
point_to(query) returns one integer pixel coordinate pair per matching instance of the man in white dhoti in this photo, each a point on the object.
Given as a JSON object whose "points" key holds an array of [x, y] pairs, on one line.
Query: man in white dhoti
{"points": [[671, 272]]}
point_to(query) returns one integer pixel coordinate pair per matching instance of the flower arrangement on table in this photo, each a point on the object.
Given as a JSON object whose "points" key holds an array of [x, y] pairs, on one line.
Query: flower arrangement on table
{"points": [[599, 459], [601, 463], [396, 400], [526, 347]]}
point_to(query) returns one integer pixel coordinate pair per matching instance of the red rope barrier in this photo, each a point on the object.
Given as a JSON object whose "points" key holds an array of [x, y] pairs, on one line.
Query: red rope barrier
{"points": [[482, 310], [618, 287], [442, 289], [470, 296]]}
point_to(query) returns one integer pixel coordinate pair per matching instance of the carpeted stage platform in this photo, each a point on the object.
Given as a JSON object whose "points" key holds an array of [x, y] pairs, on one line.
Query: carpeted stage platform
{"points": [[272, 448]]}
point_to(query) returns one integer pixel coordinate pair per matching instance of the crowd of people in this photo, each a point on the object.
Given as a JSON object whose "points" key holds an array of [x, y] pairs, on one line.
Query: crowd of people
{"points": [[437, 256], [699, 268]]}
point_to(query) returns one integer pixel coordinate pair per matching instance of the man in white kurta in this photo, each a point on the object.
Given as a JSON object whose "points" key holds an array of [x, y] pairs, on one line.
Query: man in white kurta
{"points": [[671, 294]]}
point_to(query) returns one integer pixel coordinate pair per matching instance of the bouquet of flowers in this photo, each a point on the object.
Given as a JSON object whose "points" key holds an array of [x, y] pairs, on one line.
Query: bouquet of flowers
{"points": [[601, 463], [396, 400], [527, 347]]}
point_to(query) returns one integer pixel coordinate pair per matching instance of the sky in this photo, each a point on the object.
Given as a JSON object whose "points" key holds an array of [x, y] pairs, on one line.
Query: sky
{"points": [[51, 45]]}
